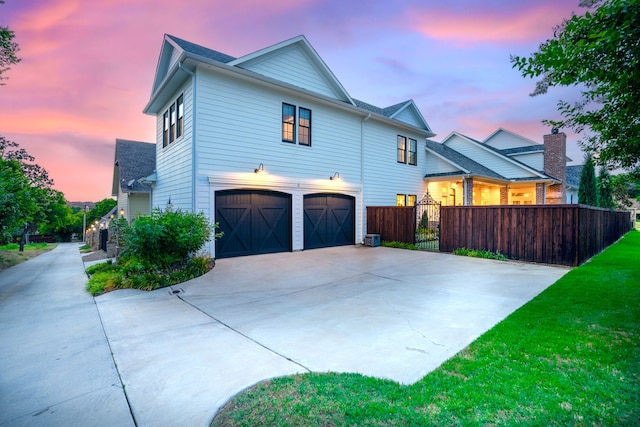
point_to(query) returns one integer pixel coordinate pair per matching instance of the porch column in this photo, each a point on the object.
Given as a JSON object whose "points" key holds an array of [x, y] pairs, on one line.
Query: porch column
{"points": [[504, 195], [541, 194], [468, 191]]}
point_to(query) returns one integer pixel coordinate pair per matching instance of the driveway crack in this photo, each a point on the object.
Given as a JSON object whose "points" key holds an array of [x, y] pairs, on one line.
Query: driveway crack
{"points": [[244, 335]]}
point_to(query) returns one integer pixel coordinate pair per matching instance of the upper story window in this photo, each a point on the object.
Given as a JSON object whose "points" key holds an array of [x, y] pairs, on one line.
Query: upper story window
{"points": [[172, 126], [173, 122], [288, 122], [407, 150], [165, 128], [296, 128], [402, 149], [180, 103], [304, 129]]}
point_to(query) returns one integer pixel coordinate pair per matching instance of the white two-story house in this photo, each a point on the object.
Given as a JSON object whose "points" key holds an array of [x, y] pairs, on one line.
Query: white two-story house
{"points": [[272, 147]]}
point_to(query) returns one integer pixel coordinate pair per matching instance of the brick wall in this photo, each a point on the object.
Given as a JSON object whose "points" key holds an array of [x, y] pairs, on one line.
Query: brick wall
{"points": [[555, 165]]}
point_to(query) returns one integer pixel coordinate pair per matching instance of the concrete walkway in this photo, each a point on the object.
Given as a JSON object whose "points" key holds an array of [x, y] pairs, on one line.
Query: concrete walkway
{"points": [[56, 367], [182, 352]]}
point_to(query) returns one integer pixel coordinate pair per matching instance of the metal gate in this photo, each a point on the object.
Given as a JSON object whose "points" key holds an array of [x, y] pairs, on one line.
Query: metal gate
{"points": [[428, 223]]}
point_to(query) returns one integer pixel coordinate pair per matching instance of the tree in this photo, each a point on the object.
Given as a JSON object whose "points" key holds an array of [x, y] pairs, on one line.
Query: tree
{"points": [[28, 200], [598, 52], [587, 189], [605, 193], [100, 209], [8, 50], [625, 187], [18, 204]]}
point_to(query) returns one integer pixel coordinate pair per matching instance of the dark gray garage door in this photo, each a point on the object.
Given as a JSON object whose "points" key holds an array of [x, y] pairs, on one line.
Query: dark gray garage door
{"points": [[253, 222], [329, 220]]}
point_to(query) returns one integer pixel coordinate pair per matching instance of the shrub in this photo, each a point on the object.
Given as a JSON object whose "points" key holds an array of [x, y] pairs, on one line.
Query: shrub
{"points": [[480, 253], [167, 238], [400, 245]]}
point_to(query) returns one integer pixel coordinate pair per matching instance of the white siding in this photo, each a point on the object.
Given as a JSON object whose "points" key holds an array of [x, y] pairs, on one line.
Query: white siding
{"points": [[240, 127], [384, 177], [534, 160], [408, 115], [175, 54], [503, 140], [488, 159], [435, 164], [173, 163], [292, 65], [138, 205]]}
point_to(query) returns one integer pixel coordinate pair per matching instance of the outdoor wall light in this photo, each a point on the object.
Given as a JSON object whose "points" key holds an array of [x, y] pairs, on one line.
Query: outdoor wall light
{"points": [[121, 212], [260, 169], [335, 177]]}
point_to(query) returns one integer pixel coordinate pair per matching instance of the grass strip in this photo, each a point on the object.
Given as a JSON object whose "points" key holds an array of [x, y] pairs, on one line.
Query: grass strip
{"points": [[10, 254], [571, 356]]}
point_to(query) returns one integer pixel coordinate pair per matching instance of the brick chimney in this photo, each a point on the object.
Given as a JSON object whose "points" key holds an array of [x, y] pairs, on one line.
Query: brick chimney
{"points": [[555, 165]]}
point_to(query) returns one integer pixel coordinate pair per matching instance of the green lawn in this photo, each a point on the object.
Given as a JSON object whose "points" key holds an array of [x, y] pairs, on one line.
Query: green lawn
{"points": [[570, 357], [10, 254]]}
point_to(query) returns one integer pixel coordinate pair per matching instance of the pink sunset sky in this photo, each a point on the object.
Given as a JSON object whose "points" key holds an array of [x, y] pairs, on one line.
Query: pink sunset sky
{"points": [[87, 66]]}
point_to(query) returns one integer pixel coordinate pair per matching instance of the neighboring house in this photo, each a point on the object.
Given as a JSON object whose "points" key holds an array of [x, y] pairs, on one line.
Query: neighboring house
{"points": [[134, 161], [573, 183], [273, 147], [504, 169]]}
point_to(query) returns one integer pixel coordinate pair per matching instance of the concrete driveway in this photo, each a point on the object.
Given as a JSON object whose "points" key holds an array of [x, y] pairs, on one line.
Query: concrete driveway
{"points": [[183, 352]]}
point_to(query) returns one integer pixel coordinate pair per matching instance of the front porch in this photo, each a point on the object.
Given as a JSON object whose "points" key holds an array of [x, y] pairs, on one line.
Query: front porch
{"points": [[469, 191]]}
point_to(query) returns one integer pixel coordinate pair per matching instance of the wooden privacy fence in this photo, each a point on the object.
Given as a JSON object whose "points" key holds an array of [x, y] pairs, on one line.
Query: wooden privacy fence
{"points": [[392, 223], [551, 234]]}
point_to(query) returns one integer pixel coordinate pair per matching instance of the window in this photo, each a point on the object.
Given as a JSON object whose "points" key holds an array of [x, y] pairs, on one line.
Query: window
{"points": [[180, 103], [165, 129], [288, 122], [173, 122], [413, 152], [407, 150], [304, 129], [172, 126], [289, 125], [402, 150], [406, 200]]}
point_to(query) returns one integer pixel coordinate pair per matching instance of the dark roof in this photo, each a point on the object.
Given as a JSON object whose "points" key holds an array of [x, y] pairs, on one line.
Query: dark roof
{"points": [[573, 175], [461, 160], [387, 111], [134, 160], [527, 149], [201, 50]]}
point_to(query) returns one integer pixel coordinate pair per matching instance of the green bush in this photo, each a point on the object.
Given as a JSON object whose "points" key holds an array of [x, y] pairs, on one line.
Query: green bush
{"points": [[167, 238], [479, 253], [399, 245], [160, 250]]}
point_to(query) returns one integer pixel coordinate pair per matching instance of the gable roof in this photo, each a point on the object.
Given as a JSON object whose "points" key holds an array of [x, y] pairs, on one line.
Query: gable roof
{"points": [[172, 70], [517, 140], [133, 160], [522, 150], [201, 50], [467, 165], [497, 153], [302, 44]]}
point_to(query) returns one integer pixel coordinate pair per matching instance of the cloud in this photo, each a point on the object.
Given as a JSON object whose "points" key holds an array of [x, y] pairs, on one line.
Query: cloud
{"points": [[479, 25]]}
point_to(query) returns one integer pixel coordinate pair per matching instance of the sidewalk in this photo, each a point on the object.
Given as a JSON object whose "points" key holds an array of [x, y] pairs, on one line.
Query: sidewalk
{"points": [[56, 363]]}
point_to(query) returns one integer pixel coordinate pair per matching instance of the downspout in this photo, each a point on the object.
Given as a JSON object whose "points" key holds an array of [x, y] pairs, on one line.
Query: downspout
{"points": [[194, 163], [362, 169]]}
